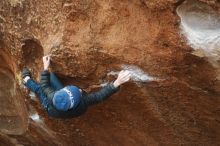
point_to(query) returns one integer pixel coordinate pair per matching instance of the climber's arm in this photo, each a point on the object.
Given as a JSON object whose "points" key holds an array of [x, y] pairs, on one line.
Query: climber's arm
{"points": [[101, 95], [45, 79], [45, 84], [108, 90]]}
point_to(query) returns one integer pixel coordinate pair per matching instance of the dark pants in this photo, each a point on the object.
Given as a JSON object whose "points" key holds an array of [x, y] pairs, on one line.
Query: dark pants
{"points": [[35, 87]]}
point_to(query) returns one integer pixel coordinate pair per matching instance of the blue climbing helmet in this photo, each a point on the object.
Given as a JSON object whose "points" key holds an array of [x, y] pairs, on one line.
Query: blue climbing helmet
{"points": [[67, 98]]}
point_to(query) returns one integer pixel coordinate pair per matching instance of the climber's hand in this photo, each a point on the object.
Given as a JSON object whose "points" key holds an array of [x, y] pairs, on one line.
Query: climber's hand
{"points": [[123, 77], [46, 61]]}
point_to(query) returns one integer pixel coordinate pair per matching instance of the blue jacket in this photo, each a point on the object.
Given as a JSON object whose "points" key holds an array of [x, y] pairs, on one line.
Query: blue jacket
{"points": [[85, 101]]}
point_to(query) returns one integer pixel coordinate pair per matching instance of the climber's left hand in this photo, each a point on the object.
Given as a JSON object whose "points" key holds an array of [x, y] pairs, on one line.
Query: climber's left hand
{"points": [[46, 61]]}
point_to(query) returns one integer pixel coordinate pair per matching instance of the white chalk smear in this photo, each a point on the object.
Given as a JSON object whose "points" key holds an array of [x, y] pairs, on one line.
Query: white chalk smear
{"points": [[35, 117], [103, 84], [33, 96], [137, 74], [200, 24]]}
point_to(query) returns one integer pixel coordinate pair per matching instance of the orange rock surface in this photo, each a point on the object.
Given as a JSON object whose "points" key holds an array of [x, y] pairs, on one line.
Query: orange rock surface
{"points": [[88, 39]]}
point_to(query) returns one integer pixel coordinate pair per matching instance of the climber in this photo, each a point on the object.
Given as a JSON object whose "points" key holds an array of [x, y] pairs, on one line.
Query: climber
{"points": [[69, 101]]}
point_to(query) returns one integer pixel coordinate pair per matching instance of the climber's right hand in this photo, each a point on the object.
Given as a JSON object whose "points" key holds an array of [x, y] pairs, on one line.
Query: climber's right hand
{"points": [[46, 61], [123, 77]]}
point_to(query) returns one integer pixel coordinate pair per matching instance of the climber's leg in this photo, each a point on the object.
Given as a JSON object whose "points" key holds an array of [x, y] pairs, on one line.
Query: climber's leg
{"points": [[34, 87]]}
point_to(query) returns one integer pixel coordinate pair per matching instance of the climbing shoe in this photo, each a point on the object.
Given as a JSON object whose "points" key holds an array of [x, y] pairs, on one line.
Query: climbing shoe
{"points": [[26, 72]]}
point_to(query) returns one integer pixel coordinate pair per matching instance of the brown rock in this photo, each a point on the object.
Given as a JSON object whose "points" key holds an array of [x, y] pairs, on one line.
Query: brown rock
{"points": [[87, 39]]}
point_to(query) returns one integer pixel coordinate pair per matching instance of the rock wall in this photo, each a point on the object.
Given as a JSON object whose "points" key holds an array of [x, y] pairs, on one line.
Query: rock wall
{"points": [[89, 39]]}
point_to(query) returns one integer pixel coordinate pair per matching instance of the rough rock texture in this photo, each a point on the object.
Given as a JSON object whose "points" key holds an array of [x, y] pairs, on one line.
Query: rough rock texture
{"points": [[88, 39]]}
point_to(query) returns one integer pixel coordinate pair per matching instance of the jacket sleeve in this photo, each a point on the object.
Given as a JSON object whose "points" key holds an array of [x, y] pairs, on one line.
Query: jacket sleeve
{"points": [[101, 95], [45, 85]]}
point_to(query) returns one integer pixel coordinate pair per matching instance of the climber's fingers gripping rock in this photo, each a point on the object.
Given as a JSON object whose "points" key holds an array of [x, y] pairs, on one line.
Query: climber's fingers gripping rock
{"points": [[123, 77], [46, 61]]}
